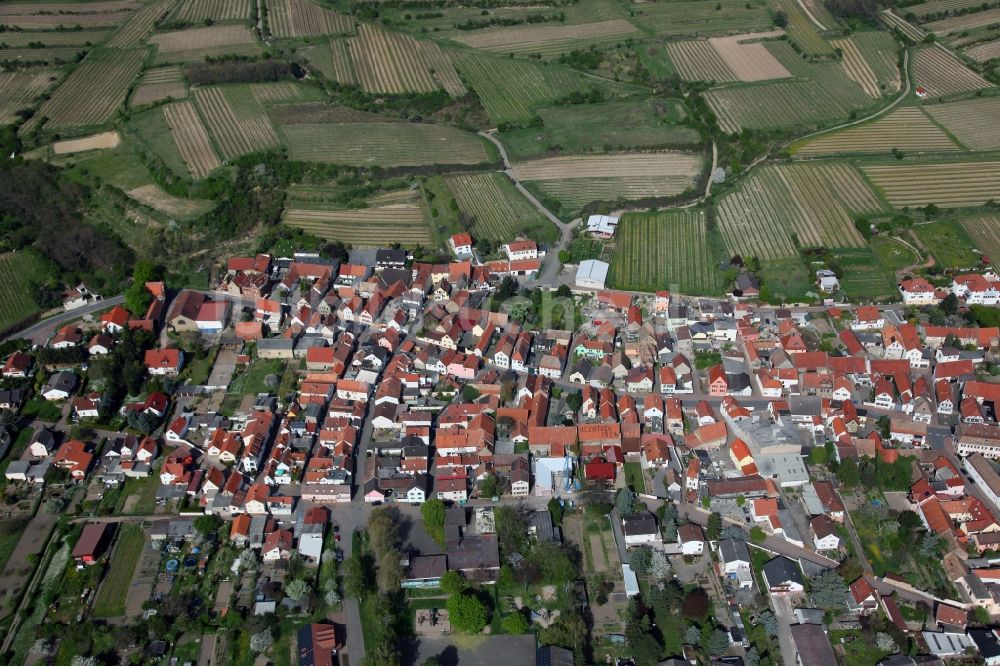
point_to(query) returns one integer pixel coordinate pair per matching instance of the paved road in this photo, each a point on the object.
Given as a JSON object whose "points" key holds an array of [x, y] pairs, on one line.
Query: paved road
{"points": [[40, 332], [355, 643], [783, 613]]}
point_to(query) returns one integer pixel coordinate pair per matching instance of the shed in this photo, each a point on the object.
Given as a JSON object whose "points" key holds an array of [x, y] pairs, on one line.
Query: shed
{"points": [[92, 543]]}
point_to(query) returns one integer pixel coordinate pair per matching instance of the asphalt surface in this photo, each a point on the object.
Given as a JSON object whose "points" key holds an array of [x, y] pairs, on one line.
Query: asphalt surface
{"points": [[40, 332]]}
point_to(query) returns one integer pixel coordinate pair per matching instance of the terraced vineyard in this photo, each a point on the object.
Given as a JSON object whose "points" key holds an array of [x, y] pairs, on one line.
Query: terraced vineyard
{"points": [[398, 216], [780, 208], [384, 144], [191, 138], [302, 18], [196, 44], [894, 21], [94, 90], [236, 120], [65, 15], [984, 229], [509, 89], [970, 21], [702, 17], [394, 62], [670, 250], [879, 51], [907, 129], [548, 39], [19, 89], [974, 122], [499, 212], [140, 24], [17, 271], [936, 7], [941, 73], [198, 11], [159, 84], [944, 184]]}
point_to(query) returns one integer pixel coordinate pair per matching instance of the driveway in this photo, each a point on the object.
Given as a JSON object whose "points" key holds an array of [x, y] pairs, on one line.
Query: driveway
{"points": [[783, 612], [222, 371]]}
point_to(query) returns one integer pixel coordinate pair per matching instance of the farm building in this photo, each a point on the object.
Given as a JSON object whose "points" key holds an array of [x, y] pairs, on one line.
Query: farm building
{"points": [[602, 226], [92, 543], [592, 274]]}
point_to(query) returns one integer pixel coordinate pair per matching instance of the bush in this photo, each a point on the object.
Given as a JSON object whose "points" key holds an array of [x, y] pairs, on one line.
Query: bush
{"points": [[467, 613]]}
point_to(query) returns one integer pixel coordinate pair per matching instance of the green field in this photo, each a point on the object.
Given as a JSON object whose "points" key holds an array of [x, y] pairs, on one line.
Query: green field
{"points": [[785, 280], [399, 215], [152, 133], [587, 128], [702, 17], [948, 242], [510, 89], [892, 254], [802, 30], [498, 211], [18, 270], [671, 250], [633, 476], [110, 600], [385, 144], [864, 277]]}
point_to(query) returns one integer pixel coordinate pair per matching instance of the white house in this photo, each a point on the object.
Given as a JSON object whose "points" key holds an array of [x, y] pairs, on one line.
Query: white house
{"points": [[461, 244], [918, 291], [524, 249], [735, 562], [975, 289], [640, 530], [691, 539], [824, 533], [602, 226]]}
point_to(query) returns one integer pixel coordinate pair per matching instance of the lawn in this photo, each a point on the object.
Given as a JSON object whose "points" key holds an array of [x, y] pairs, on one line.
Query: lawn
{"points": [[785, 280], [146, 491], [864, 277], [41, 409], [859, 647], [633, 476], [892, 254], [949, 243], [110, 600]]}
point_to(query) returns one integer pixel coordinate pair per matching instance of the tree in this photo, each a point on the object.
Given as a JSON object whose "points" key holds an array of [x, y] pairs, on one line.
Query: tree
{"points": [[625, 501], [645, 650], [640, 560], [467, 613], [332, 597], [752, 658], [432, 511], [768, 620], [137, 297], [207, 525], [717, 642], [298, 589], [261, 641], [757, 535], [949, 304], [696, 605], [829, 591], [515, 623], [556, 511], [248, 561], [848, 473], [390, 570], [670, 522], [84, 661], [692, 636], [54, 506], [490, 486], [733, 532], [574, 401], [714, 527], [659, 566], [452, 582], [470, 393]]}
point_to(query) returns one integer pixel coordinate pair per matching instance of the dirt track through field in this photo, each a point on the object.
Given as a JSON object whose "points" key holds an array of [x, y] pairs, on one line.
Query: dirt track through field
{"points": [[597, 553], [95, 142]]}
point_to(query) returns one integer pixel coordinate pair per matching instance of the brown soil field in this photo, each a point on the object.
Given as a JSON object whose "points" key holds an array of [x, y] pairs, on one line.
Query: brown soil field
{"points": [[157, 199], [699, 61], [527, 37], [629, 164], [985, 51], [202, 38], [191, 138], [45, 15], [749, 62], [196, 11], [159, 84], [100, 141]]}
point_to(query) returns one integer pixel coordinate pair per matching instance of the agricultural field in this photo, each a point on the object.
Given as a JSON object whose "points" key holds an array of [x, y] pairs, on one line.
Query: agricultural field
{"points": [[199, 11], [24, 39], [870, 61], [974, 122], [140, 24], [384, 144], [604, 127], [893, 253], [948, 242], [893, 21], [235, 120], [19, 89], [53, 15], [781, 208], [548, 39], [864, 278], [94, 90], [18, 270], [944, 184], [984, 230], [332, 60], [670, 250], [110, 599], [941, 73], [102, 141], [317, 113], [510, 89], [391, 62], [803, 29], [196, 44], [702, 17], [399, 216], [57, 55], [930, 8], [174, 207], [574, 182], [969, 21], [828, 95], [907, 129], [159, 84], [984, 51], [302, 18], [736, 58], [498, 211], [191, 137]]}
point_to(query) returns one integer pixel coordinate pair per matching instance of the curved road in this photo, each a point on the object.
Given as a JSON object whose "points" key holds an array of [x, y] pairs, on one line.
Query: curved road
{"points": [[41, 331]]}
